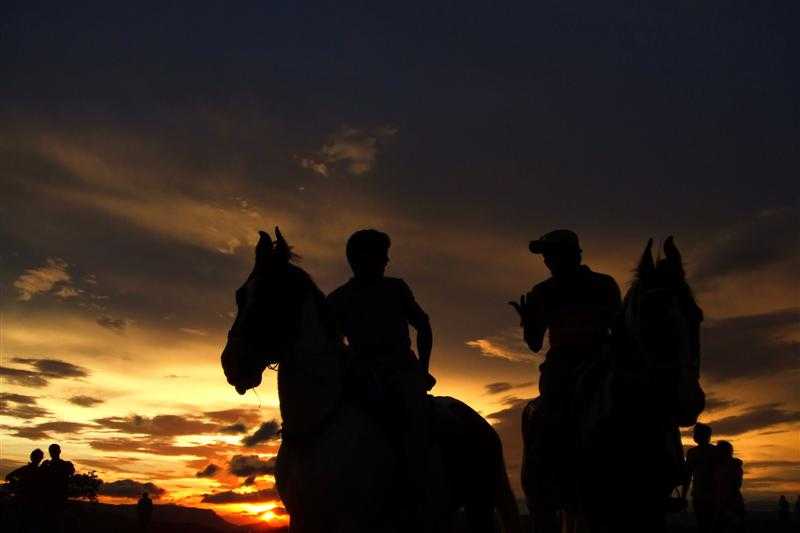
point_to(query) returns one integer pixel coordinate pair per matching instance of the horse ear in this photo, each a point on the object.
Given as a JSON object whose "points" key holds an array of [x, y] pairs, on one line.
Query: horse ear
{"points": [[646, 263], [673, 255], [282, 250], [264, 246]]}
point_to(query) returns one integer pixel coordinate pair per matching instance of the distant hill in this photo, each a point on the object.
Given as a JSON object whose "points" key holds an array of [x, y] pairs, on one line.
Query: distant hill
{"points": [[85, 517]]}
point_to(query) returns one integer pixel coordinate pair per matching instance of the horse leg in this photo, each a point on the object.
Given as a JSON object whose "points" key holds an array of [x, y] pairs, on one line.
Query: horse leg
{"points": [[545, 518], [480, 517]]}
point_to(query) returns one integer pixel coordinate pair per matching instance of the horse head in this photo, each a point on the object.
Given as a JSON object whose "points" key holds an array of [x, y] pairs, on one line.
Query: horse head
{"points": [[663, 320], [270, 306], [661, 314]]}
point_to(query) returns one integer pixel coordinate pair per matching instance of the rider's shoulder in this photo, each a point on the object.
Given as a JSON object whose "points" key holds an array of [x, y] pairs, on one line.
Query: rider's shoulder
{"points": [[543, 286], [395, 283], [340, 291], [601, 279]]}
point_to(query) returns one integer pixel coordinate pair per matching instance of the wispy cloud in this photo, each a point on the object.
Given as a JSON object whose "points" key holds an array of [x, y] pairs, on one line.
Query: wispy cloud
{"points": [[504, 386], [751, 346], [209, 471], [229, 496], [351, 149], [116, 325], [85, 401], [251, 465], [757, 417], [45, 369], [267, 432], [507, 345], [44, 279]]}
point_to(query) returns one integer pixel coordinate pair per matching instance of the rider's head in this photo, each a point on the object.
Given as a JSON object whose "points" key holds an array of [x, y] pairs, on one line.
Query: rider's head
{"points": [[55, 450], [36, 456], [702, 433], [725, 449], [561, 251], [368, 253]]}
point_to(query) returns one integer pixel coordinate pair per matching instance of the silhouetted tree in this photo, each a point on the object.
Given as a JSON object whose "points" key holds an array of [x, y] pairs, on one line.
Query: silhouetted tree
{"points": [[84, 486]]}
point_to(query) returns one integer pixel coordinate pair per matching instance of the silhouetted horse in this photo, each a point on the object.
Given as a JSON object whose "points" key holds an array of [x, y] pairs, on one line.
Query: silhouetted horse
{"points": [[629, 406], [338, 468]]}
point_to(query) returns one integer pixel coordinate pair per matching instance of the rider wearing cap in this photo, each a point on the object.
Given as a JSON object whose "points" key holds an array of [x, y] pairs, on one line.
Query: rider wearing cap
{"points": [[575, 305]]}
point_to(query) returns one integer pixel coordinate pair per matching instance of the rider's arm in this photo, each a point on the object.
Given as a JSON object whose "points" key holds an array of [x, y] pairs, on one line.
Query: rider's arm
{"points": [[534, 322], [419, 320]]}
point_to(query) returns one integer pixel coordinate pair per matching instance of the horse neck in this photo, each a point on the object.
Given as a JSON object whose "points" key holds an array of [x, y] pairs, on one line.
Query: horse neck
{"points": [[310, 376]]}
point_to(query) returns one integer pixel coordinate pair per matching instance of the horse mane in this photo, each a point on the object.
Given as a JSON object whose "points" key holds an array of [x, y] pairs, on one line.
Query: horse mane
{"points": [[305, 281]]}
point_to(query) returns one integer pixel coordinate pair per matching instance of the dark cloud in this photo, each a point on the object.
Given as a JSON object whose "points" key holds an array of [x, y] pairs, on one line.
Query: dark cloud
{"points": [[159, 425], [20, 406], [769, 238], [17, 398], [228, 496], [267, 431], [26, 378], [773, 464], [112, 464], [117, 325], [23, 411], [503, 386], [156, 446], [234, 429], [715, 403], [751, 346], [757, 417], [54, 368], [209, 471], [249, 481], [251, 465], [128, 488], [42, 431], [85, 401]]}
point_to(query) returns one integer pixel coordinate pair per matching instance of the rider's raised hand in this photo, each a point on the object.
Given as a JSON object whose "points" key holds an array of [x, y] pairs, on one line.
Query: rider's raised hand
{"points": [[521, 306]]}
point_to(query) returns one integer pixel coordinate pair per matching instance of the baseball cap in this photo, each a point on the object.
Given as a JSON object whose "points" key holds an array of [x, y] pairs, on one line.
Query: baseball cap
{"points": [[555, 241]]}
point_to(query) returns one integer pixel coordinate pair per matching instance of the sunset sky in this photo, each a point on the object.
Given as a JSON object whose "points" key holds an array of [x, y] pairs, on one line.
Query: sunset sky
{"points": [[142, 149]]}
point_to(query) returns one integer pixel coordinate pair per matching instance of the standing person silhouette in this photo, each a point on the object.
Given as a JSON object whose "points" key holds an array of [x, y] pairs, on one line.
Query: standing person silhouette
{"points": [[25, 483], [55, 475], [144, 511], [797, 509], [783, 509], [729, 474], [701, 462], [373, 313], [577, 307]]}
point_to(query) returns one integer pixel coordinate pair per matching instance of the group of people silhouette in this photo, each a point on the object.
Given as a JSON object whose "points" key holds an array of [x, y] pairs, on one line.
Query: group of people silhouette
{"points": [[41, 490], [784, 513], [715, 477]]}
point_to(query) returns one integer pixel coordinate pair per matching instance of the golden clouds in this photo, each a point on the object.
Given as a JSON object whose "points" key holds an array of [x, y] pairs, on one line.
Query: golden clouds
{"points": [[44, 279]]}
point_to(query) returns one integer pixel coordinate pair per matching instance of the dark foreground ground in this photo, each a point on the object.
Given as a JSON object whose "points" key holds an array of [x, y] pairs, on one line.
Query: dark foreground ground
{"points": [[103, 518]]}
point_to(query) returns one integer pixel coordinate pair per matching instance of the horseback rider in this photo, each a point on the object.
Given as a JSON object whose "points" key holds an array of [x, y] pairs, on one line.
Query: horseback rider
{"points": [[577, 307], [373, 312]]}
